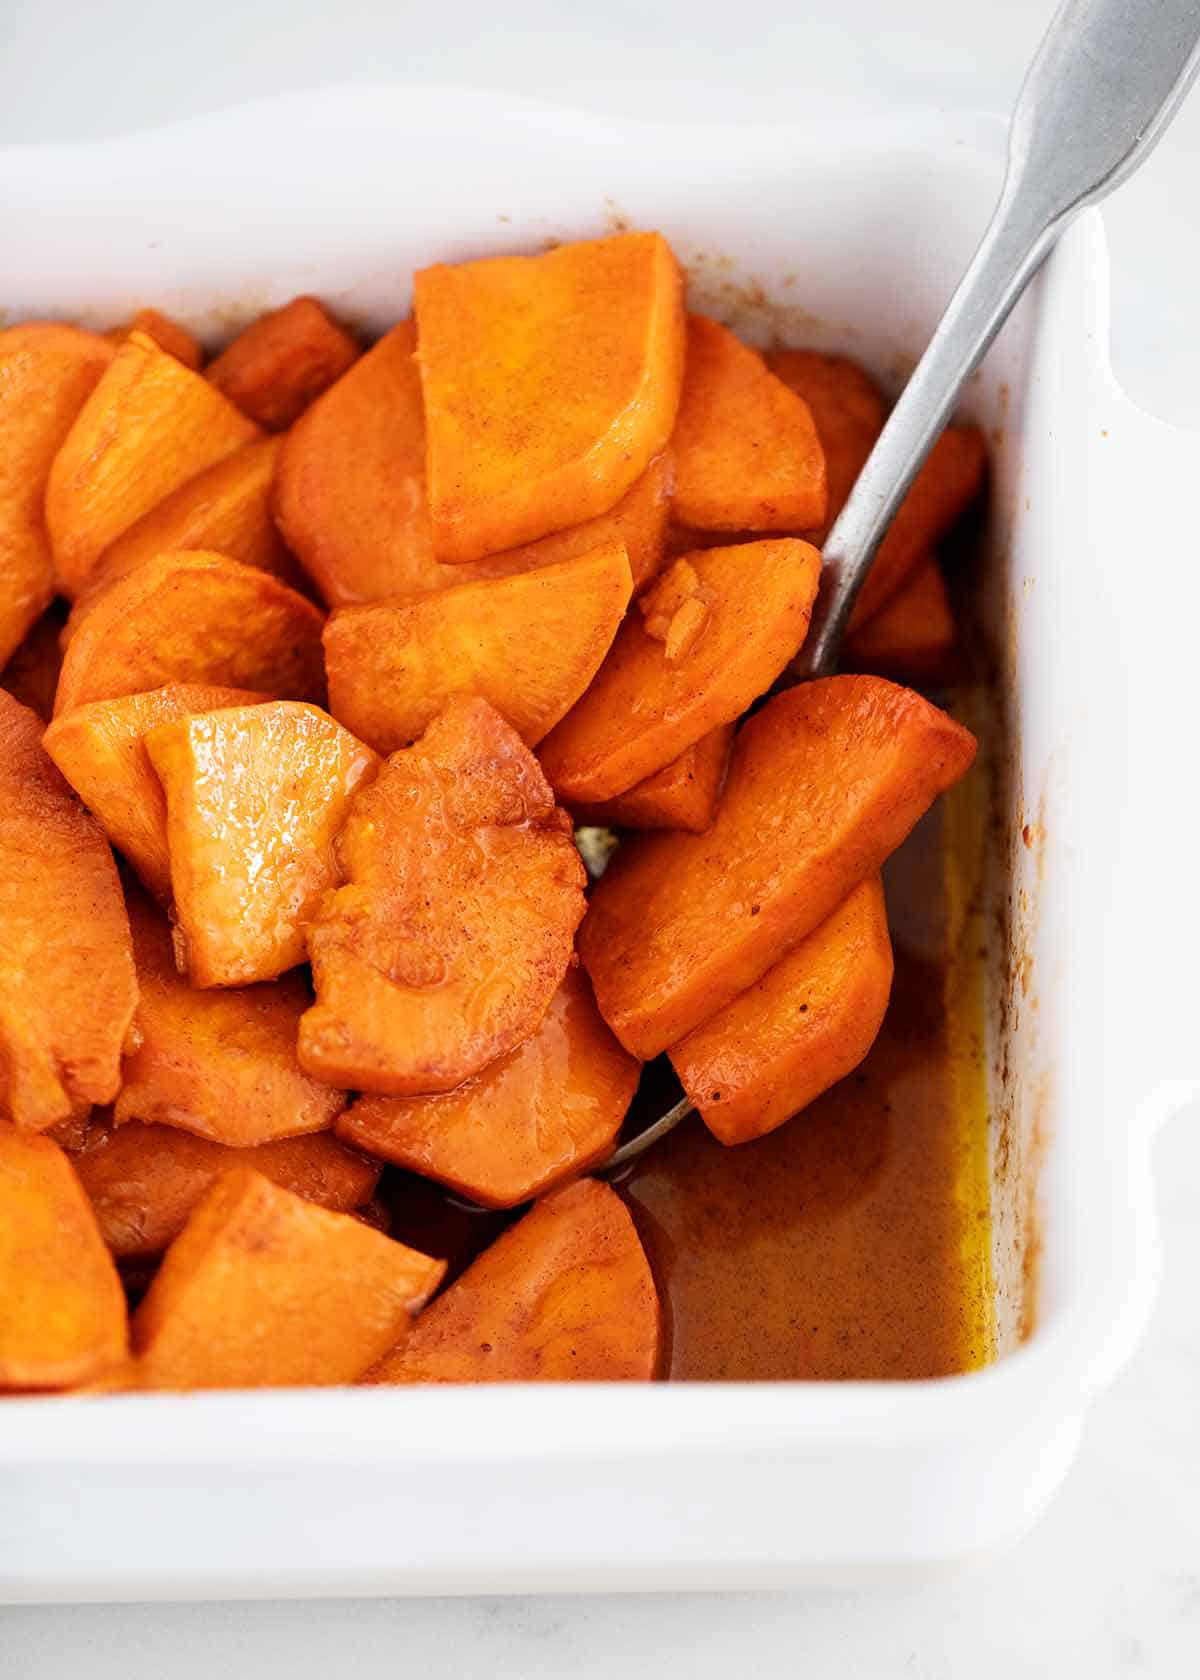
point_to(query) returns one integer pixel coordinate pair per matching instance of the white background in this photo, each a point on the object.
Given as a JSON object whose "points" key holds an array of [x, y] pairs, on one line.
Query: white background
{"points": [[1110, 1582]]}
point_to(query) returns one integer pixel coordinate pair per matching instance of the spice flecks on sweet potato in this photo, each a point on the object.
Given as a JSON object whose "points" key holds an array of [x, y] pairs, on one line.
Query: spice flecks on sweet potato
{"points": [[282, 362]]}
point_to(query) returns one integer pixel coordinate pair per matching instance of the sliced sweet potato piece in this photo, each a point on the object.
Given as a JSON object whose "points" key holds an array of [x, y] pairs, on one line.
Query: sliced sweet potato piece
{"points": [[565, 1295], [47, 372], [547, 1111], [529, 644], [100, 749], [747, 455], [913, 635], [193, 617], [67, 987], [168, 334], [149, 425], [221, 1064], [255, 796], [144, 1181], [683, 794], [282, 362], [456, 924], [806, 1024], [849, 412], [550, 384], [31, 675], [261, 1289], [62, 1309], [713, 633], [824, 782]]}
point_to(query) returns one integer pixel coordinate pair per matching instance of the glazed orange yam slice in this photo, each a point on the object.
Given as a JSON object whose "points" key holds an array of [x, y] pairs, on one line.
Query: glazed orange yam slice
{"points": [[806, 1024], [683, 794], [62, 1309], [550, 384], [547, 1111], [221, 1064], [261, 1289], [31, 675], [167, 333], [824, 783], [712, 634], [144, 1181], [47, 373], [67, 987], [100, 749], [149, 425], [565, 1295], [913, 635], [194, 617], [456, 923], [747, 455], [280, 363], [848, 409], [529, 644], [255, 796]]}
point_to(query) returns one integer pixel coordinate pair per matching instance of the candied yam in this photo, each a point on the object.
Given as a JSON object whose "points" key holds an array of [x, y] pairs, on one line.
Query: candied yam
{"points": [[221, 1064], [168, 334], [456, 923], [747, 455], [31, 675], [100, 748], [848, 409], [193, 617], [282, 362], [806, 1024], [565, 1295], [62, 1309], [254, 798], [149, 425], [67, 987], [262, 1289], [47, 372], [913, 636], [547, 1111], [824, 783], [550, 384], [713, 633], [683, 794], [144, 1181], [529, 644]]}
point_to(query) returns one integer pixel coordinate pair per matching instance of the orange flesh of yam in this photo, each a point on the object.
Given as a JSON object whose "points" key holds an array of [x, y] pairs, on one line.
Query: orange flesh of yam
{"points": [[262, 1289], [529, 644], [645, 706], [100, 748], [47, 372], [221, 1064], [149, 425], [456, 924], [824, 783], [67, 987], [547, 1111], [912, 637], [806, 1024], [31, 675], [683, 794], [550, 384], [255, 796], [169, 335], [282, 362], [747, 455], [62, 1309], [193, 617], [564, 1295], [848, 409]]}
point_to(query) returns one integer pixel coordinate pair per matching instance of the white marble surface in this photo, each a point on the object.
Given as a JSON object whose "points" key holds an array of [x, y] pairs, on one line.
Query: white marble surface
{"points": [[1109, 1584]]}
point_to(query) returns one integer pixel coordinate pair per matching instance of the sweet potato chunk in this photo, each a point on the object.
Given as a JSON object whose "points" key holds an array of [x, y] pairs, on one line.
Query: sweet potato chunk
{"points": [[255, 796], [31, 675], [713, 633], [168, 334], [263, 1290], [547, 1111], [67, 988], [149, 425], [62, 1310], [824, 783], [144, 1181], [221, 1064], [47, 373], [806, 1024], [565, 1295], [100, 749], [550, 384], [282, 362], [529, 644], [193, 617], [455, 927], [747, 455], [849, 412], [912, 637], [683, 794]]}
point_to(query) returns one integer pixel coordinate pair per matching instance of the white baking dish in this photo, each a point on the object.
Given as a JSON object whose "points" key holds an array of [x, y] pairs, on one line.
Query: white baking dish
{"points": [[844, 235]]}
